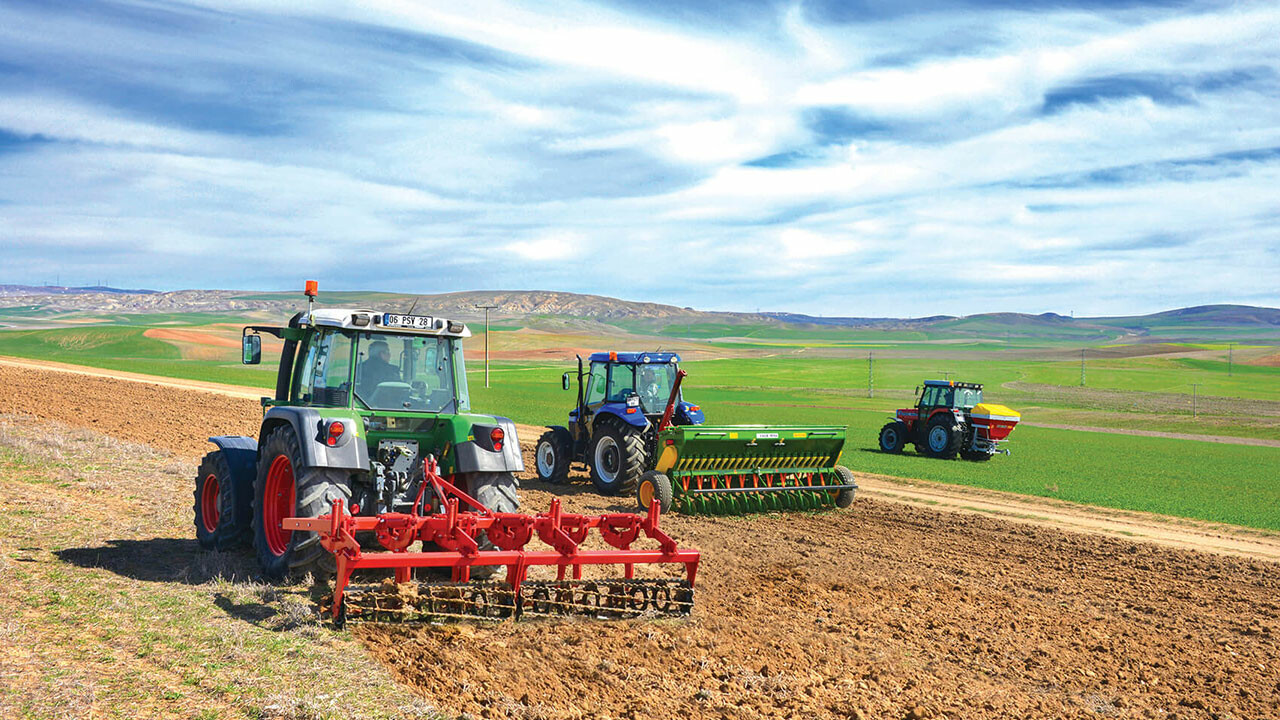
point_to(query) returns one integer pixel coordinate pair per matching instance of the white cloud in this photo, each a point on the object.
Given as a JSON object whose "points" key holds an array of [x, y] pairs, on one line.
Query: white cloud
{"points": [[506, 143], [552, 246]]}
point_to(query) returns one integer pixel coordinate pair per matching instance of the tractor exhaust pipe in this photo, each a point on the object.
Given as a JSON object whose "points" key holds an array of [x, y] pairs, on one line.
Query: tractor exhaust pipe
{"points": [[671, 401]]}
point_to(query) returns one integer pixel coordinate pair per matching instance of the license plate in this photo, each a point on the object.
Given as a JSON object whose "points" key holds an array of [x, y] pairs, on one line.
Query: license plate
{"points": [[766, 436], [409, 322]]}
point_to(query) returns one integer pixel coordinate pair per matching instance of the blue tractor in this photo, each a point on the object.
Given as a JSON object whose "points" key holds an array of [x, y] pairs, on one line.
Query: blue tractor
{"points": [[622, 399]]}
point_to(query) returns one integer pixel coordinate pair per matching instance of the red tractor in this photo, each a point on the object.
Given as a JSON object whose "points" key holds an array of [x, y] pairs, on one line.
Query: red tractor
{"points": [[949, 419]]}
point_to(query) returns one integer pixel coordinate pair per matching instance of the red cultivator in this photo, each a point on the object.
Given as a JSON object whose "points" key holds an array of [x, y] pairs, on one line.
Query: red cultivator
{"points": [[459, 528]]}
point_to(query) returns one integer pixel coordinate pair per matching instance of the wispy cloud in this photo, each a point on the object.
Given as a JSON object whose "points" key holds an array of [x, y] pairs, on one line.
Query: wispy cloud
{"points": [[812, 156]]}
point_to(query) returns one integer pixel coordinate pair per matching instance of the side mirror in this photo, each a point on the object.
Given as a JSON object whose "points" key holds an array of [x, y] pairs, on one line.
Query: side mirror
{"points": [[251, 349], [564, 381]]}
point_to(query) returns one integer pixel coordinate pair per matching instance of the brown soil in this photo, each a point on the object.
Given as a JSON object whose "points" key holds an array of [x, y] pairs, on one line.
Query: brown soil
{"points": [[191, 336], [884, 610]]}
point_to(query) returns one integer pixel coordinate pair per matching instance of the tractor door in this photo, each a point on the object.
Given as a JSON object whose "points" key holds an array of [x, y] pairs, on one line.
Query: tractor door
{"points": [[593, 397]]}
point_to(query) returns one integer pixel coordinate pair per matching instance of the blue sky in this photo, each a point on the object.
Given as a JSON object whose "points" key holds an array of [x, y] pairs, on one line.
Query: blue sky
{"points": [[859, 158]]}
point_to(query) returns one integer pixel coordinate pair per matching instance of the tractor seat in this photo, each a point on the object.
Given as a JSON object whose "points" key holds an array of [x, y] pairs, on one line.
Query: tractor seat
{"points": [[390, 395]]}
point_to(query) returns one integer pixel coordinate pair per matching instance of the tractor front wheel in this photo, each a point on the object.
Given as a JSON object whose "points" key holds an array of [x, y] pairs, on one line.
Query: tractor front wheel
{"points": [[553, 454], [285, 489], [893, 436], [617, 458], [943, 437]]}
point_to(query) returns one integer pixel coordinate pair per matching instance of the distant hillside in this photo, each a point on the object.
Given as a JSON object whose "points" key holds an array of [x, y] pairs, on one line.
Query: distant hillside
{"points": [[558, 309], [27, 290], [1201, 315]]}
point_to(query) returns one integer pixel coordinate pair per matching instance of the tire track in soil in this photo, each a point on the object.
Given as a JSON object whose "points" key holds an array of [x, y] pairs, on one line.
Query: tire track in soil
{"points": [[884, 610]]}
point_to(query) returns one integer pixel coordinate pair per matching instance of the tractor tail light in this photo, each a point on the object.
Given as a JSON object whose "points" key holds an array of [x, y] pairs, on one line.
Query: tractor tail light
{"points": [[336, 429], [496, 436]]}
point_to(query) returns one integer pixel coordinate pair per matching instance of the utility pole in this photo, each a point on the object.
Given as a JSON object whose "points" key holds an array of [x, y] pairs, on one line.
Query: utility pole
{"points": [[486, 309], [945, 374], [1081, 367], [1194, 410], [1230, 347], [870, 389]]}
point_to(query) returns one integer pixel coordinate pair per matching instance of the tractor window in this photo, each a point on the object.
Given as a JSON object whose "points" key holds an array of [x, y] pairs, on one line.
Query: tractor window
{"points": [[326, 371], [930, 394], [595, 383], [622, 382], [405, 372], [968, 397], [653, 384]]}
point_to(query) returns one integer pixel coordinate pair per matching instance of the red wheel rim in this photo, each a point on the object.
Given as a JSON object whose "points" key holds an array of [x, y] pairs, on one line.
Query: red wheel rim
{"points": [[278, 503], [209, 503]]}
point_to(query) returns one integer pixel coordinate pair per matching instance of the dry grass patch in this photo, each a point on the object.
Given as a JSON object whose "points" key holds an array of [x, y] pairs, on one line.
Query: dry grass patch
{"points": [[113, 611]]}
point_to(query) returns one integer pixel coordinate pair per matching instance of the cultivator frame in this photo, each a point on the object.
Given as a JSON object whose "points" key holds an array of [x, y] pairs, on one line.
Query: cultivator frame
{"points": [[456, 529]]}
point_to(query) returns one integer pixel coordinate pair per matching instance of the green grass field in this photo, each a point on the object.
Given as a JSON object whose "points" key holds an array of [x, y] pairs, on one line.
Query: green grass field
{"points": [[1226, 483]]}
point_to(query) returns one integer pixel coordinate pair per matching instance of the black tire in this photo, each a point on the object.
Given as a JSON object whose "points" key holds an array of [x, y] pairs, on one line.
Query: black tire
{"points": [[616, 474], [496, 491], [654, 485], [893, 436], [228, 501], [845, 497], [943, 436], [975, 455], [315, 489], [552, 455]]}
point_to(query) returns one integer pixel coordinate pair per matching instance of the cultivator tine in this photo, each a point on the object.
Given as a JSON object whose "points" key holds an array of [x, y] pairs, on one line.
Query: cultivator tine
{"points": [[456, 529]]}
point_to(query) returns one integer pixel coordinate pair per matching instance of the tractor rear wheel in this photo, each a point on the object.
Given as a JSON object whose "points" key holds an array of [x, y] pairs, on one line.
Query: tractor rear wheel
{"points": [[221, 507], [845, 497], [617, 458], [284, 489], [893, 436], [553, 454], [496, 491], [943, 437], [654, 485]]}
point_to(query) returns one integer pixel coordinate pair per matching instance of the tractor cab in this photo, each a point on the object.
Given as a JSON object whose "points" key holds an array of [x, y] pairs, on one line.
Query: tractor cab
{"points": [[632, 387], [946, 394], [623, 398]]}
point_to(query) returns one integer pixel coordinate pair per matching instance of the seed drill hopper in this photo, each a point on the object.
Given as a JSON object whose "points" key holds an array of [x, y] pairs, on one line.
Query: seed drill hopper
{"points": [[637, 435], [454, 528]]}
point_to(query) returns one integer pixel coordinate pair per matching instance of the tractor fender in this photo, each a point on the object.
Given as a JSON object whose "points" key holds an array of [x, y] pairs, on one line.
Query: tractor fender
{"points": [[619, 411], [242, 457], [307, 423], [478, 455], [689, 414]]}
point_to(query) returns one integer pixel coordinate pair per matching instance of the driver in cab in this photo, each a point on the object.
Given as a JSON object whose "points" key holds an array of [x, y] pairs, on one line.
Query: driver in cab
{"points": [[377, 368]]}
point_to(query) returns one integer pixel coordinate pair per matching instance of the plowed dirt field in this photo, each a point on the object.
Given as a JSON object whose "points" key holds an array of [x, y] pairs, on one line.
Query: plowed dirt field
{"points": [[887, 610]]}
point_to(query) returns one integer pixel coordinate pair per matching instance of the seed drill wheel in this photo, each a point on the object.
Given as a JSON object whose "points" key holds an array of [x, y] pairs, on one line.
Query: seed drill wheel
{"points": [[654, 485], [844, 498]]}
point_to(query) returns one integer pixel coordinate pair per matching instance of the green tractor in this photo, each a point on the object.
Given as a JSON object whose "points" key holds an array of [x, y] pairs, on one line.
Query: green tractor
{"points": [[362, 398]]}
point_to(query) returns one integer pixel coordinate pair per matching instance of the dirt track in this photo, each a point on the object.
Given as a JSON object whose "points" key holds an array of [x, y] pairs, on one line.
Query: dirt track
{"points": [[887, 610]]}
